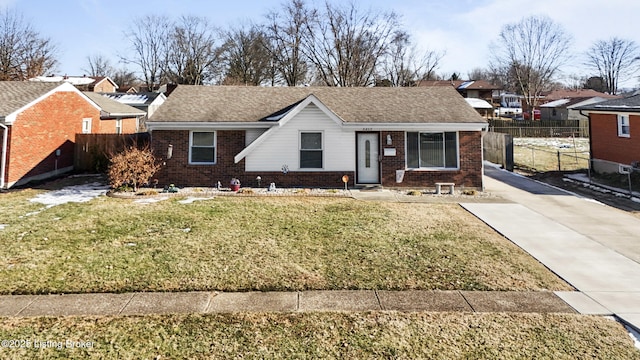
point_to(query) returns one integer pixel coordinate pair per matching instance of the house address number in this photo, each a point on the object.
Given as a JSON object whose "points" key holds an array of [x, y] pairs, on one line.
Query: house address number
{"points": [[367, 129]]}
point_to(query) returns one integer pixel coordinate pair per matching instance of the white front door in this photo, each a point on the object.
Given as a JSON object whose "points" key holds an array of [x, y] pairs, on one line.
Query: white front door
{"points": [[368, 171]]}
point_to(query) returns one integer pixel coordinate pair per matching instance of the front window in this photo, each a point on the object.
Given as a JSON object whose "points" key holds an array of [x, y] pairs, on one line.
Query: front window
{"points": [[202, 149], [311, 150], [432, 150], [623, 126]]}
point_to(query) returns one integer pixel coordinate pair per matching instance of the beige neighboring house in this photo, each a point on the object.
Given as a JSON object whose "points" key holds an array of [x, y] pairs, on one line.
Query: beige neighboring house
{"points": [[83, 83]]}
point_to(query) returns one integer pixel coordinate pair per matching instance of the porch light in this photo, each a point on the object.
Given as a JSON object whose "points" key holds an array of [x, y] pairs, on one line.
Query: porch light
{"points": [[169, 151], [389, 140]]}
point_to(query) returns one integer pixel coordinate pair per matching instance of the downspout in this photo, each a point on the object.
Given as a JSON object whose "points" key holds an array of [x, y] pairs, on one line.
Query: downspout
{"points": [[3, 161]]}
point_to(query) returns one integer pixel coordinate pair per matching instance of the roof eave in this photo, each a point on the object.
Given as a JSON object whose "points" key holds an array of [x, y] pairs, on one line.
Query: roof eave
{"points": [[188, 125]]}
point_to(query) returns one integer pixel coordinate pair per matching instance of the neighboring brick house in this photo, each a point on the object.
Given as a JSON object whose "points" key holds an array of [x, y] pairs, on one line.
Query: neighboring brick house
{"points": [[312, 136], [38, 125], [115, 117], [614, 128]]}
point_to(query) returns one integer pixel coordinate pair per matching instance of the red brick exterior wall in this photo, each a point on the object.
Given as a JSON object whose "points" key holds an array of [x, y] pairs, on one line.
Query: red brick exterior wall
{"points": [[229, 143], [108, 126], [40, 130], [607, 145], [469, 175]]}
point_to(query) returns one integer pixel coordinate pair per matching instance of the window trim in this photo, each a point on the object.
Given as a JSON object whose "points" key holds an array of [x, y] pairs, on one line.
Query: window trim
{"points": [[622, 124], [432, 168], [118, 126], [86, 129], [215, 147], [321, 150]]}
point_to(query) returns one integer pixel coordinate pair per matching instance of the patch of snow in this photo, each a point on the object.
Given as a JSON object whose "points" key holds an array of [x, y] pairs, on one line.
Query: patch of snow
{"points": [[186, 230], [191, 200], [580, 144], [76, 193], [634, 335], [3, 226]]}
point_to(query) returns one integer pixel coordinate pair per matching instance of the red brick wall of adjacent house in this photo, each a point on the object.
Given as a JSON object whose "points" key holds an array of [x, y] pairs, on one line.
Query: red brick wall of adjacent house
{"points": [[108, 126], [40, 130], [607, 145], [229, 143], [469, 174]]}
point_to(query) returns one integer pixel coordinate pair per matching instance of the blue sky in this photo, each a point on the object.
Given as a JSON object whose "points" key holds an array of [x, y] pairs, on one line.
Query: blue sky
{"points": [[462, 28]]}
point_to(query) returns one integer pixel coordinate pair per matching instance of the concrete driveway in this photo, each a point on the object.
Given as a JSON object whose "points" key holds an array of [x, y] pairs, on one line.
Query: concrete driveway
{"points": [[594, 247]]}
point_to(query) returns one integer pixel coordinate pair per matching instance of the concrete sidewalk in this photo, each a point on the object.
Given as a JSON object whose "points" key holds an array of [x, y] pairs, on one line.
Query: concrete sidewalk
{"points": [[593, 247], [341, 300]]}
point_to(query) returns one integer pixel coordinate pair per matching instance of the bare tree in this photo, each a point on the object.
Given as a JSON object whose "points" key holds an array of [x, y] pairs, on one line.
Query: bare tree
{"points": [[124, 77], [346, 44], [193, 52], [23, 52], [402, 66], [247, 60], [532, 51], [285, 33], [98, 65], [613, 59], [149, 41]]}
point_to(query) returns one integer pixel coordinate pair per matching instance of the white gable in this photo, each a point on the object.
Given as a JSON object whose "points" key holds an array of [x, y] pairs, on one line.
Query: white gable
{"points": [[280, 145]]}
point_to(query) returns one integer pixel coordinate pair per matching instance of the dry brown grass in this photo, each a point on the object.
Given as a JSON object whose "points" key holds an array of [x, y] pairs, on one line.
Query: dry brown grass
{"points": [[327, 336], [237, 244]]}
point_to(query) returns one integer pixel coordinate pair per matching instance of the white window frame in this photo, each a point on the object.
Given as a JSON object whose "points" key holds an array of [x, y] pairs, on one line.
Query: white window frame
{"points": [[215, 147], [432, 168], [86, 126], [118, 126], [624, 128], [321, 150]]}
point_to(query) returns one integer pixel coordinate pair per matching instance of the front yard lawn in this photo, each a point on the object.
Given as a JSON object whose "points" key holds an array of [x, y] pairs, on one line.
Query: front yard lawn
{"points": [[260, 243], [380, 335]]}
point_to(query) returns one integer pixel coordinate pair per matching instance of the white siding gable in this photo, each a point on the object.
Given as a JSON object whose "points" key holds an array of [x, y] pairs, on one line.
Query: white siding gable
{"points": [[283, 145]]}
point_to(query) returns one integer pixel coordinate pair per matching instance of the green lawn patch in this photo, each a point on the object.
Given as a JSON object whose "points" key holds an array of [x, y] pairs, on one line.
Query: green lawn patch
{"points": [[262, 243]]}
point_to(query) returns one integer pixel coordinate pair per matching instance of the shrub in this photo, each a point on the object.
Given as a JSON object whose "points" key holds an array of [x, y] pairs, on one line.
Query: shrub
{"points": [[133, 167]]}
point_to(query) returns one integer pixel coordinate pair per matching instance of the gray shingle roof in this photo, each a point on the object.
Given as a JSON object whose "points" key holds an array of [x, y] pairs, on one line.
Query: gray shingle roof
{"points": [[16, 94], [113, 107], [628, 104], [361, 105]]}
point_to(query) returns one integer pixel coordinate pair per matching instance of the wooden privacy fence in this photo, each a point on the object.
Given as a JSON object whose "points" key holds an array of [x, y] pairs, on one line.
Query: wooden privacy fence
{"points": [[544, 128], [93, 150], [498, 149]]}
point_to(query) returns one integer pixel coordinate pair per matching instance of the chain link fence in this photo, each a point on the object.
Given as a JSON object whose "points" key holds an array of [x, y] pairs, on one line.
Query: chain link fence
{"points": [[540, 155]]}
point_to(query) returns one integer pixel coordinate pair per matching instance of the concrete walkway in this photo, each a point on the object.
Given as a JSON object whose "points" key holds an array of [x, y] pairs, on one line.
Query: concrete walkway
{"points": [[594, 247], [344, 300]]}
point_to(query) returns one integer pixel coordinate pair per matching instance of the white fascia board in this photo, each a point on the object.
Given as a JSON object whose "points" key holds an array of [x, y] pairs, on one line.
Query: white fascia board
{"points": [[417, 126], [189, 125], [613, 111], [242, 154], [64, 87]]}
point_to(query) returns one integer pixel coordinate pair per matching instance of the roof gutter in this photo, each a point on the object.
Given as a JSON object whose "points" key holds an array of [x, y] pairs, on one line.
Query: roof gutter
{"points": [[3, 160]]}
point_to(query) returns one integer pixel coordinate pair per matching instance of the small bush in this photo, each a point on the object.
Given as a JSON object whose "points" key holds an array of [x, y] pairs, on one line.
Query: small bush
{"points": [[470, 192], [132, 167], [148, 192], [414, 193]]}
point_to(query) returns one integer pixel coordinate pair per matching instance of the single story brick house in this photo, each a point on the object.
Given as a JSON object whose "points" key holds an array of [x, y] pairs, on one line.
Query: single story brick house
{"points": [[38, 126], [614, 128], [313, 136]]}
